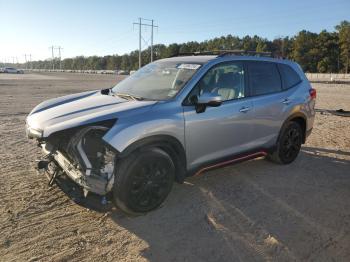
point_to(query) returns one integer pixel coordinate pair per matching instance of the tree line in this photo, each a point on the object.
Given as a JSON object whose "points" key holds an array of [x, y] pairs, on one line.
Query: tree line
{"points": [[325, 52]]}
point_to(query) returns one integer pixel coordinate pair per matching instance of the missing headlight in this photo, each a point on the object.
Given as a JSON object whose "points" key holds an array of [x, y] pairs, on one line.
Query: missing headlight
{"points": [[33, 133], [91, 155]]}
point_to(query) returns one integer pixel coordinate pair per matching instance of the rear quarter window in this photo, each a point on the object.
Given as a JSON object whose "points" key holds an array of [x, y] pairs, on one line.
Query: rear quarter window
{"points": [[290, 78]]}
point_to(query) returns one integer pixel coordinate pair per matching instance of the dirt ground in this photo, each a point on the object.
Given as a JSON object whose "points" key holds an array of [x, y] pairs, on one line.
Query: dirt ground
{"points": [[253, 211]]}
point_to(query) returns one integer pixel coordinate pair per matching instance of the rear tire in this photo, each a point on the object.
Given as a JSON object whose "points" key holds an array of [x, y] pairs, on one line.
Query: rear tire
{"points": [[288, 144], [143, 180]]}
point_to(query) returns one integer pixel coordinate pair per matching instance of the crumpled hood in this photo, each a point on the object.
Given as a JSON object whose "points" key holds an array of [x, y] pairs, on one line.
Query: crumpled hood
{"points": [[83, 108]]}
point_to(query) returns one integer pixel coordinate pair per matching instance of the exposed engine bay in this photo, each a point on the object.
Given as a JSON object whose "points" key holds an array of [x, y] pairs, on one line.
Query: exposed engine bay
{"points": [[83, 156]]}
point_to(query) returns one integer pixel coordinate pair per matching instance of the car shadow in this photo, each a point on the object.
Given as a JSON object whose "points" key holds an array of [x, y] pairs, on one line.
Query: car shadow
{"points": [[251, 211], [91, 201]]}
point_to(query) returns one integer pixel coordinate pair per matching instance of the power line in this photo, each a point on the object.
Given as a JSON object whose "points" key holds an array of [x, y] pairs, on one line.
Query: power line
{"points": [[140, 24]]}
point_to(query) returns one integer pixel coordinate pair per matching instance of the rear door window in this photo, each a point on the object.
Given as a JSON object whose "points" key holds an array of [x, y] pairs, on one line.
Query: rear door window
{"points": [[290, 78], [264, 78]]}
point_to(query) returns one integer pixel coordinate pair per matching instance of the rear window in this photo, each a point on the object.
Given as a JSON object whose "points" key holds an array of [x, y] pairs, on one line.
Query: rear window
{"points": [[264, 78], [290, 78]]}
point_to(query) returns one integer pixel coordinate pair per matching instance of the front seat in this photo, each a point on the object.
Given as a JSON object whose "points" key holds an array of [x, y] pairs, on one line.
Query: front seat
{"points": [[224, 86]]}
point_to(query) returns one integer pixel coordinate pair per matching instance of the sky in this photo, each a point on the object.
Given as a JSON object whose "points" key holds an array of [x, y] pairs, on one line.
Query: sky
{"points": [[105, 27]]}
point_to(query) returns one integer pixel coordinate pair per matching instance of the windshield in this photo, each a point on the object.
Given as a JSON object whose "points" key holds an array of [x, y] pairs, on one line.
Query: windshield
{"points": [[160, 80]]}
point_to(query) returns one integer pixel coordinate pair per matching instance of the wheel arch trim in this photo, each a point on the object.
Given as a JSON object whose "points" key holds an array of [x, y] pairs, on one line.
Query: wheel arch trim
{"points": [[169, 144], [294, 116]]}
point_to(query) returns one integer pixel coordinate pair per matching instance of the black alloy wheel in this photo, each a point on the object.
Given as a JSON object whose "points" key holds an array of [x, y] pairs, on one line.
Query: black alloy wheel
{"points": [[288, 145], [291, 143], [143, 181]]}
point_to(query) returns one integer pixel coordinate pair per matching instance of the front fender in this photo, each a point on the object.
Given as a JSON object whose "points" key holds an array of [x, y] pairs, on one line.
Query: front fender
{"points": [[157, 122]]}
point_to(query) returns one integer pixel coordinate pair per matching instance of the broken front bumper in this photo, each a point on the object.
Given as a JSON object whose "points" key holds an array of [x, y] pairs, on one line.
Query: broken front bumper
{"points": [[89, 183]]}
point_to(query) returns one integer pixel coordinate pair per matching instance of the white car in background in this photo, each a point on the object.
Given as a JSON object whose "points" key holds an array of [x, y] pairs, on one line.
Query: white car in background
{"points": [[12, 70]]}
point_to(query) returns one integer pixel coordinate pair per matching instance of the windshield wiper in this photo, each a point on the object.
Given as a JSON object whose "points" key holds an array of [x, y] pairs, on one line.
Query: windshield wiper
{"points": [[133, 97]]}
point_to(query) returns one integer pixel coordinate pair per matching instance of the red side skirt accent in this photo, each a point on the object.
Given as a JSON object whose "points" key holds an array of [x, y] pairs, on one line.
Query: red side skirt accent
{"points": [[250, 156]]}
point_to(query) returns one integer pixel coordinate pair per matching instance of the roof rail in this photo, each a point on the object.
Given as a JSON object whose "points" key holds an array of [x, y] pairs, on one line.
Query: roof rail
{"points": [[214, 52], [244, 52], [222, 53]]}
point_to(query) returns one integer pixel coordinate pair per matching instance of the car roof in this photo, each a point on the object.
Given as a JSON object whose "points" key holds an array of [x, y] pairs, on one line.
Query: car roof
{"points": [[203, 59]]}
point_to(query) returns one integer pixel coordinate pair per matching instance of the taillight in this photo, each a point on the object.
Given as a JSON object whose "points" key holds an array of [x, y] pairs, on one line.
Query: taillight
{"points": [[312, 93]]}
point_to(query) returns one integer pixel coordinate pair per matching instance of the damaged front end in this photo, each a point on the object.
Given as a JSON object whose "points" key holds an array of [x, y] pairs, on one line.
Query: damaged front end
{"points": [[83, 156]]}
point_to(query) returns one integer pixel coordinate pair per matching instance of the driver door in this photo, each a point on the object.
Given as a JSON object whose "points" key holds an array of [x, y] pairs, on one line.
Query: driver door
{"points": [[221, 131]]}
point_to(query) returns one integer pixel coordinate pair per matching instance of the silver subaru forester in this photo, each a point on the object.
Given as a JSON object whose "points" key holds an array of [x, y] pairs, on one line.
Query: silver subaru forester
{"points": [[174, 118]]}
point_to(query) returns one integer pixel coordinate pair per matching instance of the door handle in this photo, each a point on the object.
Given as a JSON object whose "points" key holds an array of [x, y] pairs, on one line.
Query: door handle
{"points": [[286, 101], [244, 109]]}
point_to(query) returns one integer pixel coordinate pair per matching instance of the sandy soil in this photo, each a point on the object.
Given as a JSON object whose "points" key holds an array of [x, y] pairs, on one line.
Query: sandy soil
{"points": [[253, 211]]}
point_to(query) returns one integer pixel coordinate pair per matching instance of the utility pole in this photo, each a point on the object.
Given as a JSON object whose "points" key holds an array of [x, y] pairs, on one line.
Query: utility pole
{"points": [[25, 59], [140, 42], [30, 61], [140, 24], [152, 41], [59, 55], [53, 57]]}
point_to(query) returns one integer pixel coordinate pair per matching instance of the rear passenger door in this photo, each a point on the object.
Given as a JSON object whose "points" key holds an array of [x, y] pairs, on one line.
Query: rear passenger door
{"points": [[270, 103]]}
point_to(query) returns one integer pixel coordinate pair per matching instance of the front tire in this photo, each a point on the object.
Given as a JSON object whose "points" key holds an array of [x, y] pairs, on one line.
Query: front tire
{"points": [[288, 144], [143, 180]]}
